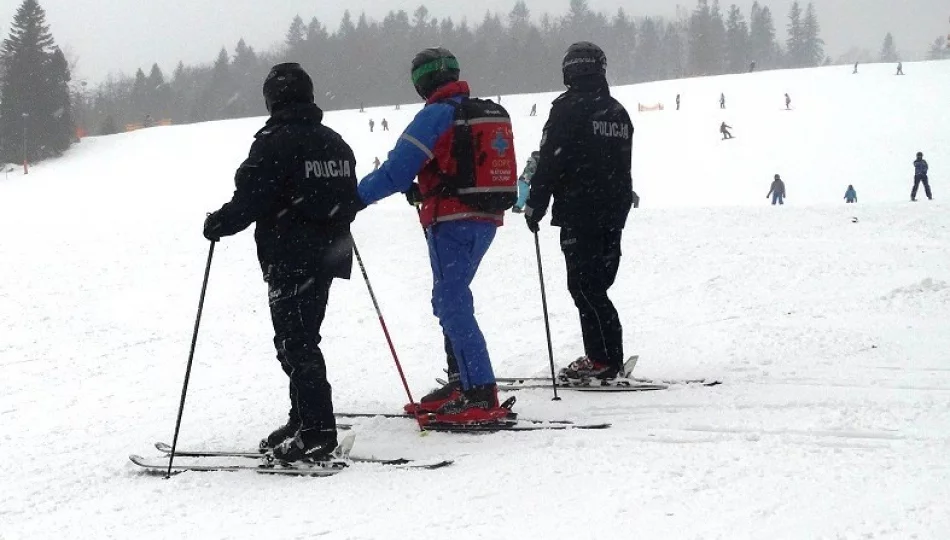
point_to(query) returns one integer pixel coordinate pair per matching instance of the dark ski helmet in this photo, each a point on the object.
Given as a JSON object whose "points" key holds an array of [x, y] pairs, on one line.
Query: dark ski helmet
{"points": [[920, 154], [432, 68], [777, 177], [582, 59], [285, 84]]}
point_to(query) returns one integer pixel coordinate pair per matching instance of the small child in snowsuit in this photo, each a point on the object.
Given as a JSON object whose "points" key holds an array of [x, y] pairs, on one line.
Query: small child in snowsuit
{"points": [[850, 196]]}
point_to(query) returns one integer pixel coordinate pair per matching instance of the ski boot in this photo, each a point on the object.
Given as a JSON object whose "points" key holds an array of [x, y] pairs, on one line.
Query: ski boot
{"points": [[279, 435], [583, 370], [311, 444], [431, 402], [477, 405]]}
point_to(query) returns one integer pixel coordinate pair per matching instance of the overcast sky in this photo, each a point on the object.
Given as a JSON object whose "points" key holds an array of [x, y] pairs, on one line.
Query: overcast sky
{"points": [[121, 35]]}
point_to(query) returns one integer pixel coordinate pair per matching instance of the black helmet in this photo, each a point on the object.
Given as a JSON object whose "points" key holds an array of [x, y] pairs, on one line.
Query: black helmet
{"points": [[920, 154], [285, 84], [777, 177], [583, 58], [432, 68]]}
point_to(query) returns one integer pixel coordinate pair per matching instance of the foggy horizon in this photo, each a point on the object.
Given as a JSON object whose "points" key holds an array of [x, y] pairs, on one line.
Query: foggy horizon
{"points": [[117, 37]]}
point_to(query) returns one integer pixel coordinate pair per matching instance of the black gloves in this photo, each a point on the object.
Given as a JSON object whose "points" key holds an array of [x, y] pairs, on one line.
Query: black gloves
{"points": [[211, 228], [414, 195], [636, 200], [534, 224]]}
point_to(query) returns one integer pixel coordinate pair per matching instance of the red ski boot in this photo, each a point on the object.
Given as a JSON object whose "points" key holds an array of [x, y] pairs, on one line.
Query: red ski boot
{"points": [[435, 399], [477, 405]]}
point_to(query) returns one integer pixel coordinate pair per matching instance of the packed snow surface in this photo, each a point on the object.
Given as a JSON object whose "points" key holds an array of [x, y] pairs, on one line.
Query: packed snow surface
{"points": [[829, 325]]}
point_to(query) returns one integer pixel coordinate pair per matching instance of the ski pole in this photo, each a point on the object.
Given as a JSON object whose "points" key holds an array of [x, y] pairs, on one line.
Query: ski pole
{"points": [[191, 357], [382, 323], [547, 323]]}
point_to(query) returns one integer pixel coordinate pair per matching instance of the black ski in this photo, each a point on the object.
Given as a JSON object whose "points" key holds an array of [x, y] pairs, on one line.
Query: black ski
{"points": [[200, 453], [626, 383], [615, 385], [323, 468], [338, 461]]}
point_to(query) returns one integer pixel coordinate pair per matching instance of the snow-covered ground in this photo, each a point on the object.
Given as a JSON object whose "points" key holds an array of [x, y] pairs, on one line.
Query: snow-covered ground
{"points": [[831, 336]]}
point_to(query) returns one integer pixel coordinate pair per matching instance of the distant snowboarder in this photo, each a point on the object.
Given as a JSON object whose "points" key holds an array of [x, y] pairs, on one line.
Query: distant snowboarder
{"points": [[722, 101], [385, 125], [900, 68], [855, 69], [788, 103], [920, 176], [777, 191], [376, 163], [371, 125], [724, 129], [677, 102], [534, 109], [850, 196]]}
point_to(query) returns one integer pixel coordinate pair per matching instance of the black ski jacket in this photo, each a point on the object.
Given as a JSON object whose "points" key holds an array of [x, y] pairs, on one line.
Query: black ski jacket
{"points": [[585, 160], [299, 185]]}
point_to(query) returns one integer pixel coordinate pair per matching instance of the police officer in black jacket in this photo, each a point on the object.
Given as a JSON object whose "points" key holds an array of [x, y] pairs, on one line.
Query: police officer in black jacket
{"points": [[585, 165], [299, 185]]}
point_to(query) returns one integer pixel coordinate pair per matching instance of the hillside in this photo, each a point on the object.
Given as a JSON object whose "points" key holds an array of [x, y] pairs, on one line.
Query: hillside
{"points": [[828, 323]]}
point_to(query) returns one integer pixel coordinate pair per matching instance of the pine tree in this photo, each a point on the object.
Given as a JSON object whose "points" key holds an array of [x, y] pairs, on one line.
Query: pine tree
{"points": [[60, 128], [813, 47], [295, 38], [939, 49], [763, 48], [737, 41], [647, 58], [795, 43], [700, 60], [35, 119], [889, 50]]}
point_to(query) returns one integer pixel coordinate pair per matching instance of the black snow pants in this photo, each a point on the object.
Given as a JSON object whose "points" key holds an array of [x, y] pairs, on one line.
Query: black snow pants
{"points": [[593, 258], [917, 181], [298, 305]]}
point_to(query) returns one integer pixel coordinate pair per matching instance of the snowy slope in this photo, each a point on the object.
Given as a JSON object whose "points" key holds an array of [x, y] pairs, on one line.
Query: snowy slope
{"points": [[831, 336]]}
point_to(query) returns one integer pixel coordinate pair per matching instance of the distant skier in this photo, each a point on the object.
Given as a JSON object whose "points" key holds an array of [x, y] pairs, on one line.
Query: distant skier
{"points": [[677, 102], [850, 196], [724, 129], [534, 109], [855, 69], [777, 191], [371, 125], [920, 176], [524, 181], [385, 125], [722, 101], [376, 163], [900, 68], [788, 103]]}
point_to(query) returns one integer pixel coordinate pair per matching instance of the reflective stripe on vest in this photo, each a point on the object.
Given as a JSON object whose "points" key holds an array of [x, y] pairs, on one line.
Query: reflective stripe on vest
{"points": [[468, 215], [503, 189]]}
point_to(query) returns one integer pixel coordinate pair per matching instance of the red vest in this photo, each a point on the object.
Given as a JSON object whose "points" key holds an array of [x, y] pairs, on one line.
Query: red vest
{"points": [[442, 208]]}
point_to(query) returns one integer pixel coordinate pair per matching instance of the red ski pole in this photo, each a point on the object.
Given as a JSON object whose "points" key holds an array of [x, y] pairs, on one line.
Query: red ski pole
{"points": [[382, 323]]}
